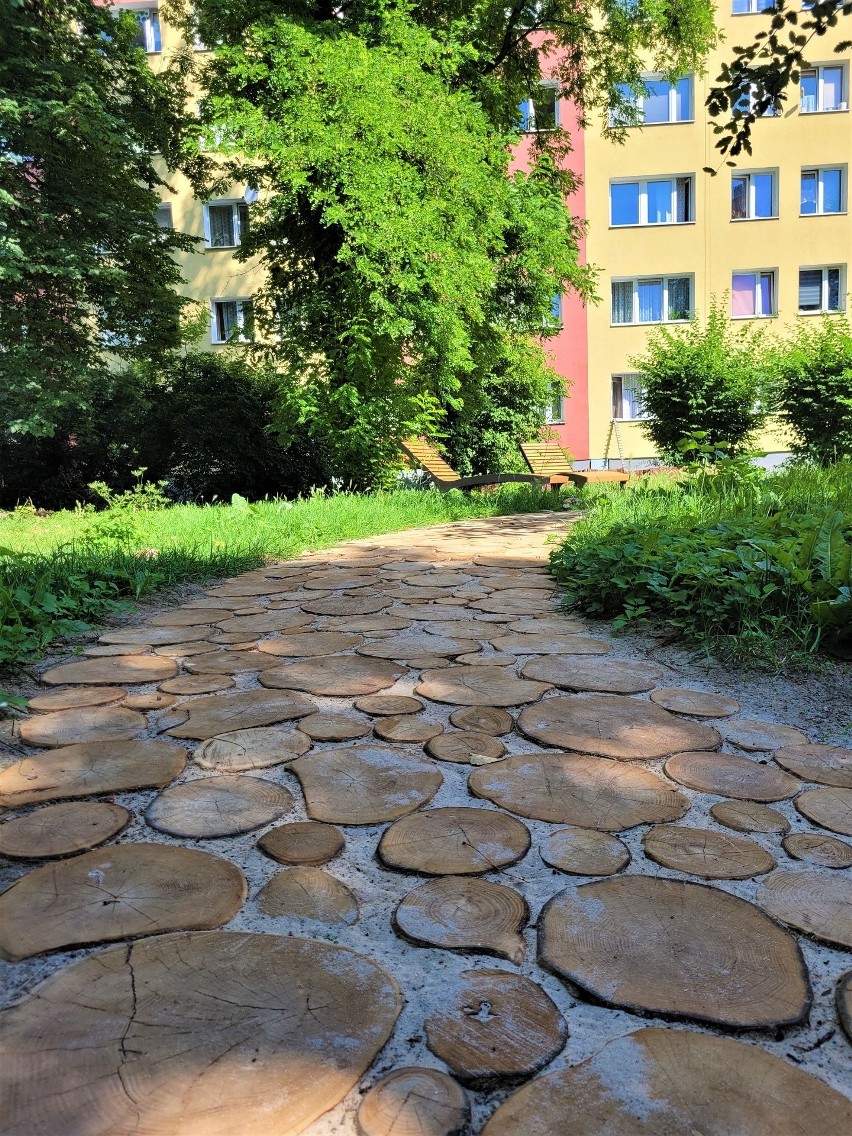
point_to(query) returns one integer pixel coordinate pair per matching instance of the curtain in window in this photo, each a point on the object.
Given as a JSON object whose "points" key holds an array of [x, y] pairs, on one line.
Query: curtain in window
{"points": [[616, 397], [680, 304], [221, 226], [632, 405], [650, 301], [832, 87], [226, 320], [831, 194], [742, 294], [810, 289], [684, 199], [622, 302], [659, 202]]}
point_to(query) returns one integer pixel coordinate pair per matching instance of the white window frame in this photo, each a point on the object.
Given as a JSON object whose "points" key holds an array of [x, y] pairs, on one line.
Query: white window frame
{"points": [[234, 205], [656, 77], [147, 28], [755, 8], [528, 110], [557, 397], [757, 273], [824, 309], [819, 171], [664, 279], [820, 69], [635, 381], [750, 194], [643, 200], [240, 301]]}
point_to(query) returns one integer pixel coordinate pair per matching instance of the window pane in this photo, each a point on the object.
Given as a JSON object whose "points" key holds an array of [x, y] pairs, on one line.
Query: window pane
{"points": [[683, 100], [554, 412], [833, 290], [679, 297], [544, 108], [809, 192], [656, 101], [243, 215], [624, 203], [808, 96], [650, 301], [762, 191], [622, 302], [832, 87], [831, 196], [221, 226], [246, 319], [810, 289], [163, 215], [619, 115], [617, 410], [767, 299], [226, 319], [684, 199], [740, 7], [659, 202], [632, 406], [739, 198], [742, 294]]}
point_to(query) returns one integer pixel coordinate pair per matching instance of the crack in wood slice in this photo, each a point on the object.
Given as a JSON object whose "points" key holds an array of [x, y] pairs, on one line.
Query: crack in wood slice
{"points": [[86, 724], [251, 626], [331, 726], [706, 853], [678, 1083], [827, 765], [454, 841], [815, 848], [76, 697], [303, 842], [197, 684], [120, 892], [462, 746], [336, 676], [258, 748], [347, 605], [365, 784], [308, 893], [820, 905], [388, 704], [584, 852], [609, 725], [185, 617], [465, 914], [843, 1000], [731, 776], [152, 636], [89, 769], [549, 644], [681, 950], [218, 806], [478, 686], [406, 728], [311, 644], [760, 737], [483, 720], [417, 644], [829, 808], [745, 816], [615, 677], [228, 662], [195, 1035], [414, 1102], [219, 714], [121, 669], [497, 1029], [567, 788], [62, 830], [699, 703]]}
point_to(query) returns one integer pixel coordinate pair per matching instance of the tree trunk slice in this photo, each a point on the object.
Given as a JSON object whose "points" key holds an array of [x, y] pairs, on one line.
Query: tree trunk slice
{"points": [[330, 726], [829, 808], [822, 851], [730, 776], [664, 1082], [388, 704], [219, 714], [406, 728], [826, 765], [706, 853], [591, 792], [251, 588], [235, 642], [615, 677], [186, 650], [111, 650], [476, 659], [549, 644], [365, 784], [497, 1029], [681, 950], [520, 603], [483, 720], [813, 902], [271, 622], [185, 617], [75, 698], [340, 581], [303, 842], [465, 914], [218, 806], [427, 663], [88, 724], [450, 579], [117, 893], [843, 999], [122, 670], [257, 748], [311, 644], [227, 662], [89, 769], [153, 636], [549, 625], [368, 624], [195, 1035], [347, 605], [405, 593], [478, 686], [760, 737], [454, 841], [417, 644], [698, 703], [475, 629], [197, 684], [61, 830], [414, 1102], [336, 676], [584, 852], [609, 725], [156, 700], [446, 613], [462, 745], [744, 816], [308, 893]]}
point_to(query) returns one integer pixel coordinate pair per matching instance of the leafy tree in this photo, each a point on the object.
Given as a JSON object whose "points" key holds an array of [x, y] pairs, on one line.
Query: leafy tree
{"points": [[84, 267]]}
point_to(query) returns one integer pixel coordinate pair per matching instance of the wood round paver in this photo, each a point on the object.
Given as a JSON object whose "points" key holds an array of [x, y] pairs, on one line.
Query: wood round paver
{"points": [[683, 950], [308, 893], [826, 765], [843, 1000], [251, 626], [156, 700], [201, 1034], [829, 808], [120, 669], [76, 697], [666, 1082], [365, 784], [760, 737], [185, 617], [368, 624], [427, 663], [516, 603], [475, 629], [310, 644], [547, 624], [303, 842], [61, 830], [186, 650], [817, 903], [222, 713], [87, 724], [610, 725], [406, 728], [89, 769], [227, 662], [706, 853], [567, 788], [218, 806], [256, 748], [341, 581], [337, 676], [119, 892], [496, 1028], [197, 684], [699, 703], [746, 816], [108, 650], [445, 612], [483, 720], [415, 645], [610, 677], [414, 1102], [454, 841], [478, 659], [731, 776], [817, 849], [388, 704], [584, 852], [461, 746], [334, 726], [465, 914], [478, 686], [134, 637], [548, 644], [347, 605]]}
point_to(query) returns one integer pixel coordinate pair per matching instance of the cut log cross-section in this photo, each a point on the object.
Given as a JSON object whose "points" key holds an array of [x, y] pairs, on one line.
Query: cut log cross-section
{"points": [[414, 1102], [61, 830], [218, 806], [465, 914], [454, 841], [365, 784], [307, 892]]}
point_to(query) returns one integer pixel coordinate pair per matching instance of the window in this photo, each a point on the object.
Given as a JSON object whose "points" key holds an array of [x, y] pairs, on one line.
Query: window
{"points": [[148, 20], [822, 191], [747, 102], [819, 290], [541, 112], [752, 294], [163, 215], [627, 395], [822, 89], [555, 409], [744, 7], [660, 102], [225, 223], [232, 321], [753, 196], [555, 318], [656, 300], [668, 201]]}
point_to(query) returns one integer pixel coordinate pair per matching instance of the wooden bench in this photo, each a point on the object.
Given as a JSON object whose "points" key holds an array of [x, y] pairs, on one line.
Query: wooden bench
{"points": [[444, 477], [549, 460]]}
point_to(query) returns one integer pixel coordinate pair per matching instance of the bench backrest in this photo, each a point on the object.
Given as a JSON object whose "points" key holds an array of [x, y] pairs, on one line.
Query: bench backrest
{"points": [[426, 456], [546, 458]]}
